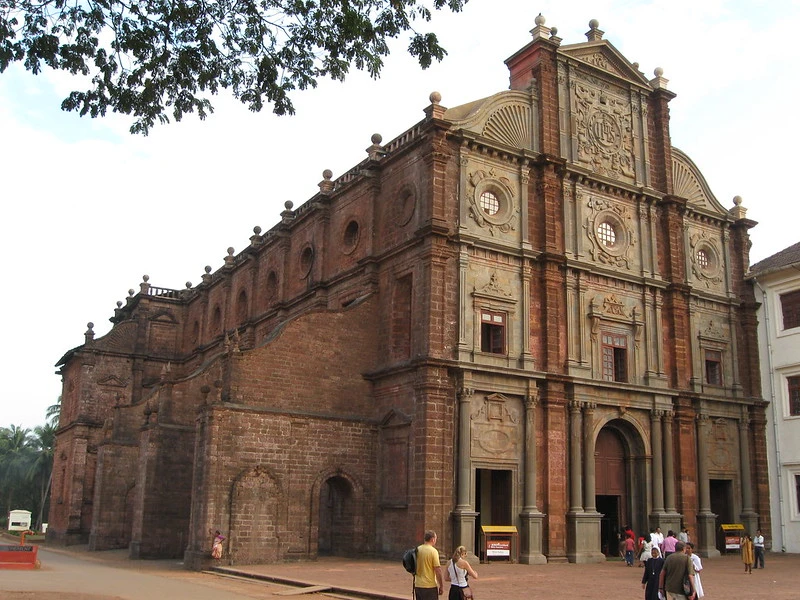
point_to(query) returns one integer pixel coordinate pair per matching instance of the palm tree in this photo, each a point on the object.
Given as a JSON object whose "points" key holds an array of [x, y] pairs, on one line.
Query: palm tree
{"points": [[53, 413], [40, 471], [16, 453]]}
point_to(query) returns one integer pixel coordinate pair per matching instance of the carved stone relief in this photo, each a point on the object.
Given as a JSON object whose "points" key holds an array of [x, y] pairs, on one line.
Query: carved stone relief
{"points": [[610, 231], [706, 259], [720, 442], [496, 428], [605, 132], [491, 201]]}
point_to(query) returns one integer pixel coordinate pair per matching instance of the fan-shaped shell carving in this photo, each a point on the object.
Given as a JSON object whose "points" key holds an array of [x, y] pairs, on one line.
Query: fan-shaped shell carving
{"points": [[510, 124], [686, 185]]}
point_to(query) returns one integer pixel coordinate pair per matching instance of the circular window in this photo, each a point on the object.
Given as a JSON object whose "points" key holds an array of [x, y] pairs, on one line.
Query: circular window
{"points": [[702, 259], [351, 236], [707, 261], [606, 234], [306, 260], [609, 234], [493, 202], [489, 203], [404, 205]]}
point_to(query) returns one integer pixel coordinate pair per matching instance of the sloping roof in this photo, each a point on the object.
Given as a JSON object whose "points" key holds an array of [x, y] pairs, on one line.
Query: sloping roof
{"points": [[785, 258]]}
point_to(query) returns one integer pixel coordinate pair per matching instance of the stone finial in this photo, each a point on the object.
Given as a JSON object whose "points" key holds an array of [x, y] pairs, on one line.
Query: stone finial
{"points": [[540, 31], [89, 335], [206, 277], [594, 34], [435, 110], [144, 287], [659, 82], [119, 303], [256, 238], [131, 293], [738, 211], [188, 285], [229, 260], [375, 151], [286, 214], [326, 185], [554, 36]]}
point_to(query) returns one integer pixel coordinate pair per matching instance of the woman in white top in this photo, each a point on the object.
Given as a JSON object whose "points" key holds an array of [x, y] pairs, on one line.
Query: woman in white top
{"points": [[698, 566], [458, 569]]}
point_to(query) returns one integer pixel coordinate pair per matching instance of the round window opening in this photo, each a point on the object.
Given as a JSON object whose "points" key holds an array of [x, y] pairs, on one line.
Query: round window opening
{"points": [[351, 236], [306, 260], [702, 259], [490, 203], [606, 234]]}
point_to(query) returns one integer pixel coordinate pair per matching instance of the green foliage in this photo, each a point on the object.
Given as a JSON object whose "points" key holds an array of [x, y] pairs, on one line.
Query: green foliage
{"points": [[26, 465], [154, 58]]}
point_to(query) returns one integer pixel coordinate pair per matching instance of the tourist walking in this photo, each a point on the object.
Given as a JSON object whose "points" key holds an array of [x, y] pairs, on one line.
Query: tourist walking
{"points": [[428, 583], [652, 573], [677, 568], [458, 573], [698, 566]]}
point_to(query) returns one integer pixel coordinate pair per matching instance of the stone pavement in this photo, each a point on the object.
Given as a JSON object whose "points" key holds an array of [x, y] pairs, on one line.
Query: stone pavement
{"points": [[722, 577]]}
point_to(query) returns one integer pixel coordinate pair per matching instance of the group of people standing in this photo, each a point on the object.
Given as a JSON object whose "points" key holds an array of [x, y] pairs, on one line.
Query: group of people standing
{"points": [[429, 583], [752, 551], [674, 577]]}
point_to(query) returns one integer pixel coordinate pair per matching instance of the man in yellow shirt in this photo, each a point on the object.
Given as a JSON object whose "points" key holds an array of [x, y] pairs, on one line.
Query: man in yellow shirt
{"points": [[428, 584]]}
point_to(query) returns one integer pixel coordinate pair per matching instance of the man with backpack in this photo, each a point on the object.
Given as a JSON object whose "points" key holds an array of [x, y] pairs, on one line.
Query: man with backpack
{"points": [[428, 583]]}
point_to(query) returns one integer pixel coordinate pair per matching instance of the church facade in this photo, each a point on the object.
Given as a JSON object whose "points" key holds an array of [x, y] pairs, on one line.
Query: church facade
{"points": [[528, 311]]}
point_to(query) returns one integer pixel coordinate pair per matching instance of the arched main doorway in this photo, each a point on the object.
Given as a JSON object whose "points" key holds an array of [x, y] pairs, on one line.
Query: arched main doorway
{"points": [[336, 517], [620, 492]]}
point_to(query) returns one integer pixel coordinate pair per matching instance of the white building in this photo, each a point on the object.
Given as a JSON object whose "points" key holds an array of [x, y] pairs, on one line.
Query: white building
{"points": [[777, 287]]}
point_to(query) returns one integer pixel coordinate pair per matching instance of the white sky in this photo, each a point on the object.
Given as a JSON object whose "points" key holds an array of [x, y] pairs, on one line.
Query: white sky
{"points": [[88, 208]]}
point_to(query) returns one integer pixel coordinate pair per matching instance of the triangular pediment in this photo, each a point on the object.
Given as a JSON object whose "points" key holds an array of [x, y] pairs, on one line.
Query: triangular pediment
{"points": [[164, 316], [112, 381], [604, 56], [506, 117]]}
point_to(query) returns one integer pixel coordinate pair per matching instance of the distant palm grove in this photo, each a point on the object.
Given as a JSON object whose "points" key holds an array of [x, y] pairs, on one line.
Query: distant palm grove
{"points": [[26, 467]]}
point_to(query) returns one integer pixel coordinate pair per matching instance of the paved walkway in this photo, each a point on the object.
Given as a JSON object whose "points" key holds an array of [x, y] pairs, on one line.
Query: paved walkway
{"points": [[723, 577]]}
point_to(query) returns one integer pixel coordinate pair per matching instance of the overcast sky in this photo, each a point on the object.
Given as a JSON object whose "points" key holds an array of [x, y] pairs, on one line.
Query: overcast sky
{"points": [[88, 208]]}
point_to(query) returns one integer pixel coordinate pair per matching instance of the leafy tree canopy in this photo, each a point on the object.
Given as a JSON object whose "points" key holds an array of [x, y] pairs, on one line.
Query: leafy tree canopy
{"points": [[151, 58]]}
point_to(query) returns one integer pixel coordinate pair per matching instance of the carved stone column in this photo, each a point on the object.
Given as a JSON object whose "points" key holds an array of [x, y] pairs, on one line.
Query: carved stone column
{"points": [[583, 526], [706, 526], [671, 519], [575, 427], [464, 515], [588, 458], [658, 468], [530, 517], [749, 517], [669, 464]]}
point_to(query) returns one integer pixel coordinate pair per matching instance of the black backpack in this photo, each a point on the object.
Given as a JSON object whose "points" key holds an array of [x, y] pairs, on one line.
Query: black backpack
{"points": [[410, 560]]}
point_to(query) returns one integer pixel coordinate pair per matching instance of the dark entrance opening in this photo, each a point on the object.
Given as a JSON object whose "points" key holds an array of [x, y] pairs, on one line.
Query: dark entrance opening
{"points": [[721, 492], [609, 524], [336, 517], [493, 494]]}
